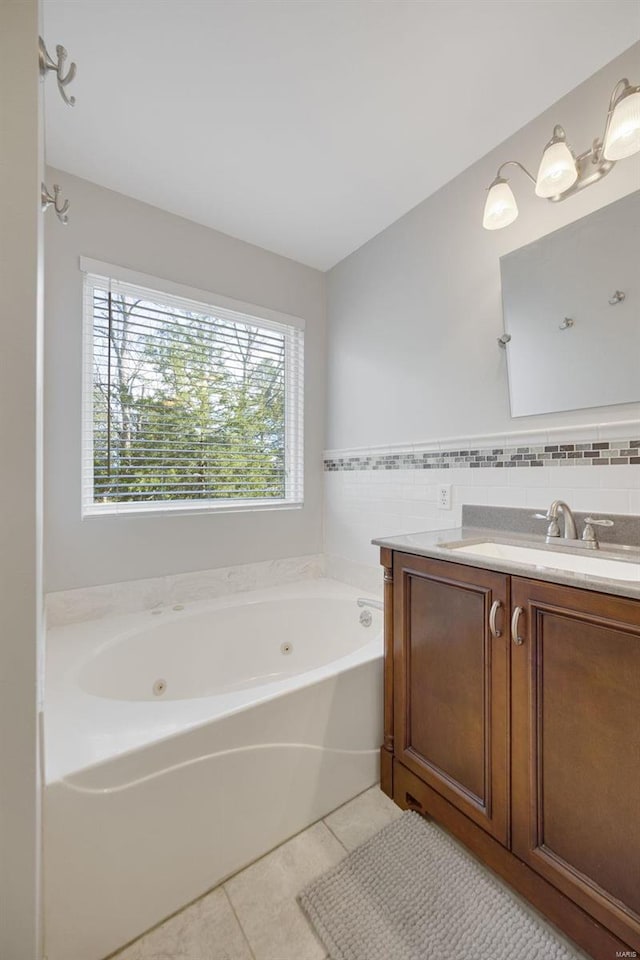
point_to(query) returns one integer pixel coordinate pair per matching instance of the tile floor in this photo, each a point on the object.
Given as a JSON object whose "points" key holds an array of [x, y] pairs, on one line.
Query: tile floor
{"points": [[254, 915]]}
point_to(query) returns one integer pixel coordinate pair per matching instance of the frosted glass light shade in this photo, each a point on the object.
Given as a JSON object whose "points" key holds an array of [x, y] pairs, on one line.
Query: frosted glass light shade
{"points": [[501, 208], [557, 171], [623, 135]]}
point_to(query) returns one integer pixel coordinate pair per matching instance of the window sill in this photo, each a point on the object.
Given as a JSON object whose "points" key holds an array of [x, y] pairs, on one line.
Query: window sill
{"points": [[178, 509]]}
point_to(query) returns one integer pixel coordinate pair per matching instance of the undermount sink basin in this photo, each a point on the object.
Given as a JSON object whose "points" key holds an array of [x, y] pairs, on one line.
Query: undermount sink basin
{"points": [[595, 565]]}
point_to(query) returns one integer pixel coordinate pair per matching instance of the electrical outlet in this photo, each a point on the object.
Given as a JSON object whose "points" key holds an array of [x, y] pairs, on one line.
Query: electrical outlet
{"points": [[444, 496]]}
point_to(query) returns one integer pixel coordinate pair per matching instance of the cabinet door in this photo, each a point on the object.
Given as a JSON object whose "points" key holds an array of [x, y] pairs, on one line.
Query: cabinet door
{"points": [[576, 747], [451, 684]]}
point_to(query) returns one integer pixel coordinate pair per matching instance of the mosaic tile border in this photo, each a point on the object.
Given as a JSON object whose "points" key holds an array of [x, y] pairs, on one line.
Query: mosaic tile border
{"points": [[594, 453]]}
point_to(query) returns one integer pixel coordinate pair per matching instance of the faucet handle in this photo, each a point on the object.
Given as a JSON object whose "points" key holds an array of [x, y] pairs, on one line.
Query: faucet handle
{"points": [[589, 534], [553, 530]]}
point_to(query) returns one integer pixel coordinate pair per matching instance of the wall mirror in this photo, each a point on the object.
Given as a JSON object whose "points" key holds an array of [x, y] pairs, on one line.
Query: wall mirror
{"points": [[571, 305]]}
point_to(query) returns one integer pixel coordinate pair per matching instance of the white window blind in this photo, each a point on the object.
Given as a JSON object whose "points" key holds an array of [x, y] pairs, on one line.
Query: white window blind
{"points": [[187, 405]]}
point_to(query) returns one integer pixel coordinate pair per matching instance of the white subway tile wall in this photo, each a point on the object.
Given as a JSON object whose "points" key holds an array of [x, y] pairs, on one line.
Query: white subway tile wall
{"points": [[368, 495]]}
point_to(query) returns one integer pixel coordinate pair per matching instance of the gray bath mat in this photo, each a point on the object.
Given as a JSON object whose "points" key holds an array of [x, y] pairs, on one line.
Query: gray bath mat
{"points": [[412, 893]]}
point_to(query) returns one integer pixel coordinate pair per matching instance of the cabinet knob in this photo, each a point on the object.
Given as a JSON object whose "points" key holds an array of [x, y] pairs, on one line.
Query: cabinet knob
{"points": [[495, 606], [515, 623]]}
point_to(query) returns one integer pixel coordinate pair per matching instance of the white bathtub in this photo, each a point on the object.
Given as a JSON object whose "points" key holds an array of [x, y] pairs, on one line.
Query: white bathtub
{"points": [[267, 716]]}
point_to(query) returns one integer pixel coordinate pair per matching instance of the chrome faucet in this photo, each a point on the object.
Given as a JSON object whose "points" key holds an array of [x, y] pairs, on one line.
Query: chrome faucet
{"points": [[589, 539], [559, 507]]}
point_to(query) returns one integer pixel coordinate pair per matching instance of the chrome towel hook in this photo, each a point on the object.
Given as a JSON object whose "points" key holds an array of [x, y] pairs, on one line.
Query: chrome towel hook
{"points": [[566, 323], [48, 63], [54, 201], [617, 298]]}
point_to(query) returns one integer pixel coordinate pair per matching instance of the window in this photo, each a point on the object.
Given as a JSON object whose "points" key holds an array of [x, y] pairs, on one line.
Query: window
{"points": [[187, 405]]}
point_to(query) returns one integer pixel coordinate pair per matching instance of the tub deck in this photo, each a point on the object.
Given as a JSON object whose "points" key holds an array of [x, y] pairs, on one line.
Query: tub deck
{"points": [[83, 730]]}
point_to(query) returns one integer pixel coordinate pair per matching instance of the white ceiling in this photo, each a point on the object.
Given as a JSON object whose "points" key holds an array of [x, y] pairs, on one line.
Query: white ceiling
{"points": [[307, 126]]}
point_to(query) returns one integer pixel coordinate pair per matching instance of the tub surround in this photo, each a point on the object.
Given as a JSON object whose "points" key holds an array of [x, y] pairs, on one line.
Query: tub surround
{"points": [[134, 596]]}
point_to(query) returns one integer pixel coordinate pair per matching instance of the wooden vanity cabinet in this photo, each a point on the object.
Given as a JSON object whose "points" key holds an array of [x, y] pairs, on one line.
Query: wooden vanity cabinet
{"points": [[451, 684], [512, 716], [575, 747]]}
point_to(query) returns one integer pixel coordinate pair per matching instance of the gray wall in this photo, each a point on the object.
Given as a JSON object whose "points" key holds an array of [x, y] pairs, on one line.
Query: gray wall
{"points": [[413, 315], [109, 226], [21, 156]]}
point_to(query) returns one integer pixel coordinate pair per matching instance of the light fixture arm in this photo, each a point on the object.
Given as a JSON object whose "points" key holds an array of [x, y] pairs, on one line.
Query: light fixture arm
{"points": [[559, 135], [515, 163]]}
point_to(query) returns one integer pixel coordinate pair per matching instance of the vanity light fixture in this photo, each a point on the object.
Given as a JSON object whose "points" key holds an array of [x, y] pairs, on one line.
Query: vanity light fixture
{"points": [[557, 171], [501, 208], [622, 134], [561, 173]]}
